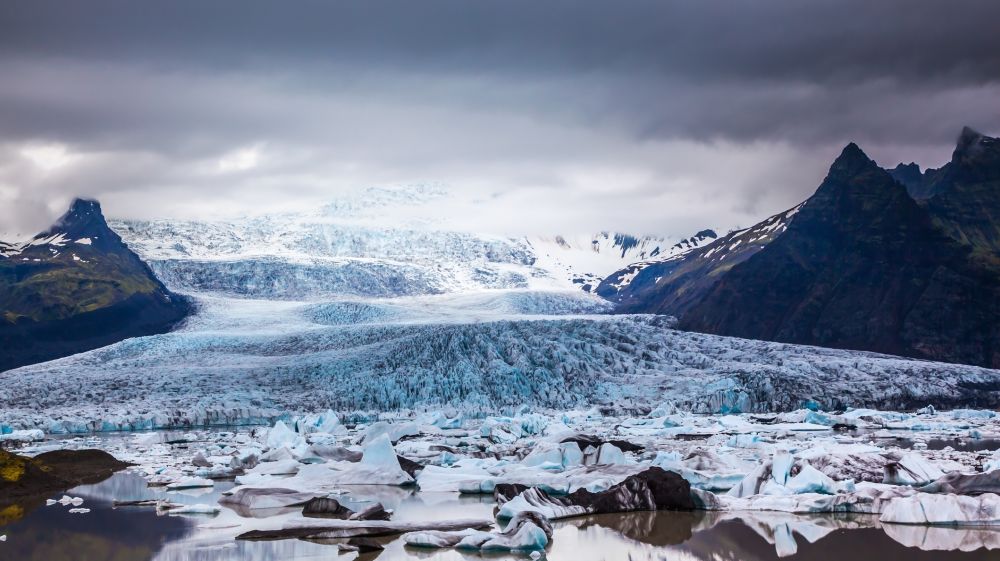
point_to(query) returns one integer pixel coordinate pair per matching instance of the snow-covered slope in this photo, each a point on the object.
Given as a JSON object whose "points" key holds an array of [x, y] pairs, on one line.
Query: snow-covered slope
{"points": [[587, 260], [317, 255], [688, 273], [346, 248]]}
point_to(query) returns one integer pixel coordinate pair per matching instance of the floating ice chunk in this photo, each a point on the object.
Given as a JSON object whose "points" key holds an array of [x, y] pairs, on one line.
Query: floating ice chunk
{"points": [[781, 467], [829, 419], [965, 484], [557, 457], [378, 466], [441, 420], [993, 463], [943, 538], [395, 431], [196, 509], [280, 435], [609, 454], [774, 478], [148, 438], [278, 455], [911, 469], [458, 478], [944, 510], [68, 500], [811, 480], [30, 435], [972, 414], [744, 441], [79, 510], [3, 538], [259, 499], [380, 453], [702, 469], [190, 483], [527, 531], [283, 467], [651, 489], [664, 409], [500, 430], [330, 423]]}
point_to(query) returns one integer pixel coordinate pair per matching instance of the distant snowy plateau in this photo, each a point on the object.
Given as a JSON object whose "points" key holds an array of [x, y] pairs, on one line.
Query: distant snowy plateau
{"points": [[306, 312]]}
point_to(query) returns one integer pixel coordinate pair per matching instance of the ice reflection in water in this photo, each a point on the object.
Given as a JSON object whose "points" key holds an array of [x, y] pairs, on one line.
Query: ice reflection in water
{"points": [[139, 534]]}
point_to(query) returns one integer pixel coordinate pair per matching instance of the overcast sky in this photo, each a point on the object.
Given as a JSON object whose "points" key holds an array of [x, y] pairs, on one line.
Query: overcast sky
{"points": [[558, 116]]}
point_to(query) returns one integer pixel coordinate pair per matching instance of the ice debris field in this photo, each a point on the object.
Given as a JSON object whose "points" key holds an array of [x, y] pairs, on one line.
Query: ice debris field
{"points": [[928, 479]]}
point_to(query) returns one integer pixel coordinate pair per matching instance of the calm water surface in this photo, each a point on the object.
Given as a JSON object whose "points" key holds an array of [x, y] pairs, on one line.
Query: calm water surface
{"points": [[51, 533]]}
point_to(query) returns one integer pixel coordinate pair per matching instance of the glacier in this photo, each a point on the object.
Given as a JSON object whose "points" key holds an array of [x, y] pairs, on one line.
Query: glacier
{"points": [[320, 310], [252, 361]]}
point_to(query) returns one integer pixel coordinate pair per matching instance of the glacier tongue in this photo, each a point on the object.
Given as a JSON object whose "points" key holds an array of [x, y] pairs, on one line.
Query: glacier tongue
{"points": [[242, 360]]}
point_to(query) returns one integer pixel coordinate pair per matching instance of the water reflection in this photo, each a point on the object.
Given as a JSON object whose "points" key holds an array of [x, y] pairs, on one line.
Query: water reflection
{"points": [[140, 534]]}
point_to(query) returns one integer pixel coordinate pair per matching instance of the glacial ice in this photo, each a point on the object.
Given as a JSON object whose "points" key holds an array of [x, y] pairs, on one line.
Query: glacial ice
{"points": [[524, 532], [253, 362], [944, 510]]}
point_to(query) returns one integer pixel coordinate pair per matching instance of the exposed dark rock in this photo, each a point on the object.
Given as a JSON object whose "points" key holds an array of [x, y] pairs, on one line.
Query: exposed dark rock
{"points": [[861, 266], [27, 480]]}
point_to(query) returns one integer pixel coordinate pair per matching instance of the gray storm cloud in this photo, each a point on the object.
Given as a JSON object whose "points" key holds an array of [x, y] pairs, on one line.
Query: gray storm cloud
{"points": [[649, 117]]}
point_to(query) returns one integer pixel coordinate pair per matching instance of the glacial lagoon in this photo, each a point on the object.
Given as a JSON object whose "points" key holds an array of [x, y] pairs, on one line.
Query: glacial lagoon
{"points": [[95, 528]]}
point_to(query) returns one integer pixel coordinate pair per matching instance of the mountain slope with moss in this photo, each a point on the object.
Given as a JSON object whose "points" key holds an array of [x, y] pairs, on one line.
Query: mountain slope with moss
{"points": [[76, 287]]}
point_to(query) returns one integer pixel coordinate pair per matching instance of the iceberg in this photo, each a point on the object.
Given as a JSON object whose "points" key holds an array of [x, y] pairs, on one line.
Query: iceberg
{"points": [[527, 531], [944, 510]]}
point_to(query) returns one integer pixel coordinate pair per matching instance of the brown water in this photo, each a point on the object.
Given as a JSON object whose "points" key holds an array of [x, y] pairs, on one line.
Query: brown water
{"points": [[51, 533]]}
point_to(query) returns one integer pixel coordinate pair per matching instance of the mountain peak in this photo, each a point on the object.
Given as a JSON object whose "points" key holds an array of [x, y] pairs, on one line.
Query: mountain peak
{"points": [[968, 137], [852, 153], [84, 219], [851, 162], [972, 146]]}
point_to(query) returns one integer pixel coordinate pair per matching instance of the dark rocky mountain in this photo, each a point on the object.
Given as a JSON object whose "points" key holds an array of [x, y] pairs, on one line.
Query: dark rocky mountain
{"points": [[76, 287], [966, 199], [862, 265], [670, 286]]}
